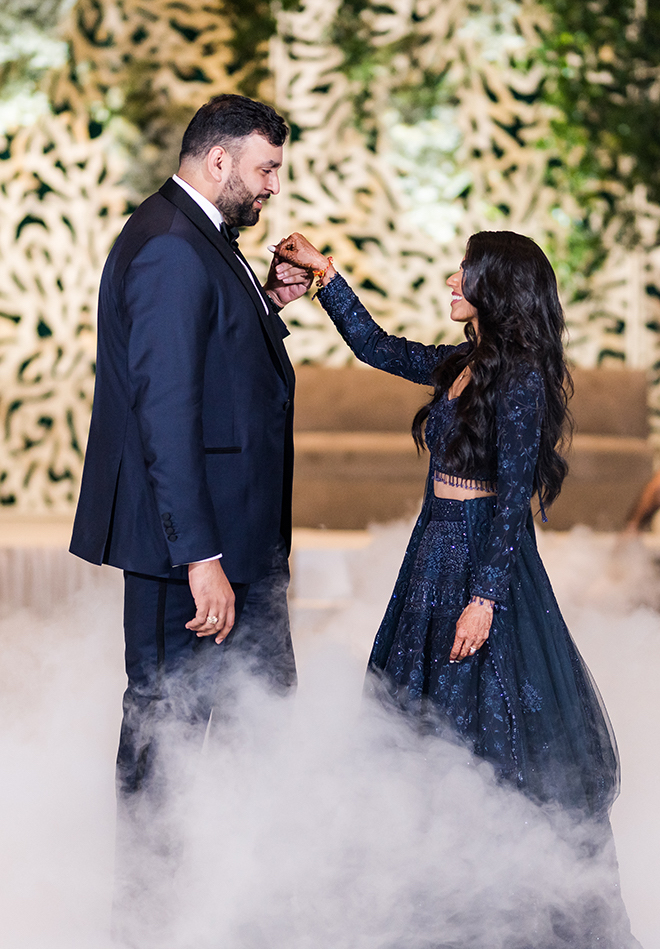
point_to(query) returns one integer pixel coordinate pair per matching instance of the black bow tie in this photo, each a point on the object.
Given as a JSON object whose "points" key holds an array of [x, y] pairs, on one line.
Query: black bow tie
{"points": [[230, 234]]}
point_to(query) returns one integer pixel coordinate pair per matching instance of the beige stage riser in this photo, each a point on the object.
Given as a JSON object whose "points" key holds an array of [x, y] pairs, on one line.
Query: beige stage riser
{"points": [[354, 504], [356, 398]]}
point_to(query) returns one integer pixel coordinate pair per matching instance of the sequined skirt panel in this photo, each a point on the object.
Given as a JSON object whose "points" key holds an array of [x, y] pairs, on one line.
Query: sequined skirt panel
{"points": [[525, 701], [463, 698]]}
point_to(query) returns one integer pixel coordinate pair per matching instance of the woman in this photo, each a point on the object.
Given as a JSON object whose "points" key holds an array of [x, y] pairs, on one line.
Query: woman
{"points": [[473, 640]]}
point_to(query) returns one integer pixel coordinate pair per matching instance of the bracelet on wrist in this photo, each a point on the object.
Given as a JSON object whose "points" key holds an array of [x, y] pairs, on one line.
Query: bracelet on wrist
{"points": [[481, 601], [275, 302], [320, 274]]}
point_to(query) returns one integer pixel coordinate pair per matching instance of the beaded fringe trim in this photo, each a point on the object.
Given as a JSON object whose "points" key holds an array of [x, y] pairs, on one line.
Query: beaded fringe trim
{"points": [[471, 485]]}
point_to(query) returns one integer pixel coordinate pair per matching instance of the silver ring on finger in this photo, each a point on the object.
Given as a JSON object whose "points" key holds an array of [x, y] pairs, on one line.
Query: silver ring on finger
{"points": [[472, 650], [212, 619]]}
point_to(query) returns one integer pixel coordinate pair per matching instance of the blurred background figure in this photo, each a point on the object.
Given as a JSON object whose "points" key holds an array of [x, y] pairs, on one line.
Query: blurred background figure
{"points": [[645, 507]]}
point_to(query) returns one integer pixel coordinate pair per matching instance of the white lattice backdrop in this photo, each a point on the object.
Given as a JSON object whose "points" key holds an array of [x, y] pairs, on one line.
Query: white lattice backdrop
{"points": [[61, 205], [359, 203], [395, 218]]}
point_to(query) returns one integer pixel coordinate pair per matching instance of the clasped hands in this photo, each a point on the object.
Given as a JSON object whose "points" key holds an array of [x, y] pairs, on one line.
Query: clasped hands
{"points": [[294, 263], [290, 274]]}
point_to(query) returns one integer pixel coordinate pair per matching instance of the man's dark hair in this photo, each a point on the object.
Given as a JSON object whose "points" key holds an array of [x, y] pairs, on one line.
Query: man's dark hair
{"points": [[227, 118]]}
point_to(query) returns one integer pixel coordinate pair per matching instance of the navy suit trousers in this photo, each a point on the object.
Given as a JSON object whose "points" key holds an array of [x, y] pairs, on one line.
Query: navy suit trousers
{"points": [[176, 678], [175, 681]]}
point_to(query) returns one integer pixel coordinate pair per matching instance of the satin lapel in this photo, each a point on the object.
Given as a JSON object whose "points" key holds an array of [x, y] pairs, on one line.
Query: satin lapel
{"points": [[273, 323], [178, 197]]}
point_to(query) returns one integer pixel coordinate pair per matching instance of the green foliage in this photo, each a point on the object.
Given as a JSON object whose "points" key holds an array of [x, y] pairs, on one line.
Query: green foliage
{"points": [[41, 15], [602, 59], [414, 92], [253, 23], [602, 67], [28, 49]]}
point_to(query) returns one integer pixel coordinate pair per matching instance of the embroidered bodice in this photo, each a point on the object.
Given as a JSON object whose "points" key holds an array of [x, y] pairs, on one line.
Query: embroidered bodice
{"points": [[512, 460], [439, 425]]}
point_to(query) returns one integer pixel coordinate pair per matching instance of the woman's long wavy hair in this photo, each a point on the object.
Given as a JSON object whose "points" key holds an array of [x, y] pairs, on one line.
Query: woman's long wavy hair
{"points": [[510, 282]]}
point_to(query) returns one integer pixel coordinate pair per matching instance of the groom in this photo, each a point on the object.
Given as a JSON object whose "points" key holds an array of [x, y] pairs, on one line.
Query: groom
{"points": [[187, 478]]}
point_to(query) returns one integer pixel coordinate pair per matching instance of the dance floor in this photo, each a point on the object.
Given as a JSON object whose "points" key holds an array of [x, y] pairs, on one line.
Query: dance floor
{"points": [[299, 846]]}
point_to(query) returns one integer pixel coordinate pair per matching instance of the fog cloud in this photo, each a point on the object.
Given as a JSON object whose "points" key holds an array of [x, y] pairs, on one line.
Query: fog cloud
{"points": [[318, 821]]}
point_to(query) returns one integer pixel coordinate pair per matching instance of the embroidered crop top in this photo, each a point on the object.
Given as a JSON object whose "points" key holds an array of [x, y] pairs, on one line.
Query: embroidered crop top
{"points": [[519, 413], [439, 424]]}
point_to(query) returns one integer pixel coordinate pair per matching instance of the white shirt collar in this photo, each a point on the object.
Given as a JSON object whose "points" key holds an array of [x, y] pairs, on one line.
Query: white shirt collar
{"points": [[207, 207], [216, 217]]}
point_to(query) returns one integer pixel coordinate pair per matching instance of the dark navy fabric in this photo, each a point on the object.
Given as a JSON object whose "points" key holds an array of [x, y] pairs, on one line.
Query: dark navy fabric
{"points": [[174, 681], [512, 465], [175, 676], [190, 450], [526, 700]]}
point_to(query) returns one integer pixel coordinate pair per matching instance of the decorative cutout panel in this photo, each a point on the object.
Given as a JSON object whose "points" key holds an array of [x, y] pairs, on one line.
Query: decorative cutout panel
{"points": [[394, 207], [62, 207]]}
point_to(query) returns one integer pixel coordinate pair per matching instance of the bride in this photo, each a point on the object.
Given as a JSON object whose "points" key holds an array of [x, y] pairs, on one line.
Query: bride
{"points": [[473, 644]]}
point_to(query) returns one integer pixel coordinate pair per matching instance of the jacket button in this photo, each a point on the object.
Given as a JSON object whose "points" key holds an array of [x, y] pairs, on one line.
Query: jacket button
{"points": [[173, 537], [165, 517]]}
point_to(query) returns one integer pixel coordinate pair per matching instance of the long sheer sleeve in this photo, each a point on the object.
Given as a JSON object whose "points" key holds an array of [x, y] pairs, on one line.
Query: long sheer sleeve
{"points": [[371, 344], [519, 417]]}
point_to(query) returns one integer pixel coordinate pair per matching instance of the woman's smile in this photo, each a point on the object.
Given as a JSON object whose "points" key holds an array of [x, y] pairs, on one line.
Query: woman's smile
{"points": [[462, 310]]}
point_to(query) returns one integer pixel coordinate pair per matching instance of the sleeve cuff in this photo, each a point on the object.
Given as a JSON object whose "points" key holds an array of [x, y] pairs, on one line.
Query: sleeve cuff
{"points": [[336, 294], [206, 560]]}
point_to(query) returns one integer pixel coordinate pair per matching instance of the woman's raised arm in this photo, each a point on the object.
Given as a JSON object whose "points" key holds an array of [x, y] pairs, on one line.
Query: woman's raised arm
{"points": [[368, 341]]}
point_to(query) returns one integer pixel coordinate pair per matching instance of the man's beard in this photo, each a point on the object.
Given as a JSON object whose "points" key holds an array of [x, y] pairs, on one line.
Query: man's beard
{"points": [[236, 204]]}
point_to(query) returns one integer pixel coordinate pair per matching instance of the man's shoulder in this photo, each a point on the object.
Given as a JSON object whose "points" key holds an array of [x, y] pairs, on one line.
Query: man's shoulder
{"points": [[155, 218]]}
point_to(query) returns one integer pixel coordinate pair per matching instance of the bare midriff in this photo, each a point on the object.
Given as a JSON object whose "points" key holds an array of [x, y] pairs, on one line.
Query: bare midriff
{"points": [[461, 489]]}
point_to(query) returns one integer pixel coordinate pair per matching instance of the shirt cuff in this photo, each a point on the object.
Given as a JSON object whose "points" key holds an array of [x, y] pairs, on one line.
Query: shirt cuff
{"points": [[206, 560]]}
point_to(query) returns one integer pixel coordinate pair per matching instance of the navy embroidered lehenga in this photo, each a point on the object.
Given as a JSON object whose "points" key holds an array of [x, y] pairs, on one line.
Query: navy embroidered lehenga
{"points": [[525, 701]]}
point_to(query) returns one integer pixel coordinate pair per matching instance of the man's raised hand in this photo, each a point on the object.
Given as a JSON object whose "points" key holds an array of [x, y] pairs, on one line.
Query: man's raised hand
{"points": [[286, 281]]}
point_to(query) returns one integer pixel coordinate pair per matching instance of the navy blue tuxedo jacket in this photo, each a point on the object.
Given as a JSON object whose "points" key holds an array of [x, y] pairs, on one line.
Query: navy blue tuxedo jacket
{"points": [[190, 449]]}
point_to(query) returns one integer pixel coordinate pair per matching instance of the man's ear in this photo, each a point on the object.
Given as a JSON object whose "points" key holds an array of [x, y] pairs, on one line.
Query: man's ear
{"points": [[217, 163]]}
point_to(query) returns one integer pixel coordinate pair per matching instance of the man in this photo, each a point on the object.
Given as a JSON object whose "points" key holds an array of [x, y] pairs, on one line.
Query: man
{"points": [[187, 479]]}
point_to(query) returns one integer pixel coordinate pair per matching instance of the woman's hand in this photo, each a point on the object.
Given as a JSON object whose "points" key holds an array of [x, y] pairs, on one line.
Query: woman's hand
{"points": [[472, 628], [296, 249]]}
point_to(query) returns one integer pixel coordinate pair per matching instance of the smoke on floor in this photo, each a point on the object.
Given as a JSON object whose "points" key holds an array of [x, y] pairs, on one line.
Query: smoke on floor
{"points": [[318, 821]]}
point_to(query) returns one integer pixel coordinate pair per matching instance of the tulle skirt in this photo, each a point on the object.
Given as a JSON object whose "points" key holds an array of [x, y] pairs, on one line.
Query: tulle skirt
{"points": [[525, 701]]}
